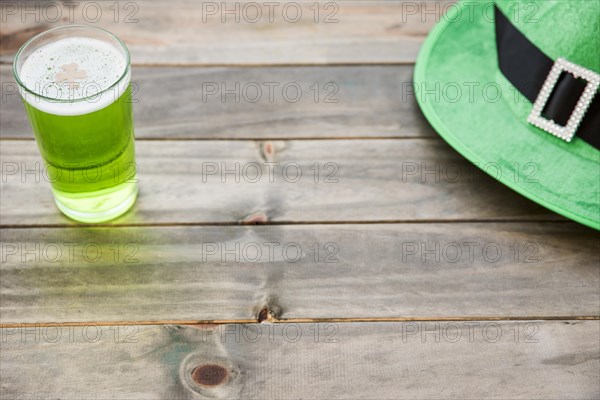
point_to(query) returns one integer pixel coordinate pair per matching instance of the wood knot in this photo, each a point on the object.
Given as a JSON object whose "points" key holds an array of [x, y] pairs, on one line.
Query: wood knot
{"points": [[209, 375], [255, 219], [263, 315], [267, 315], [268, 151]]}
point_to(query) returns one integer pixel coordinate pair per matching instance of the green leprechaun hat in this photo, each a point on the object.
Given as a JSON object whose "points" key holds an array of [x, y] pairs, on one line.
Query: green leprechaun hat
{"points": [[514, 84]]}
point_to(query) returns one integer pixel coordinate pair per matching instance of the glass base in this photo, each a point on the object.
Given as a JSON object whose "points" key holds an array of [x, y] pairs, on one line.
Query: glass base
{"points": [[98, 206]]}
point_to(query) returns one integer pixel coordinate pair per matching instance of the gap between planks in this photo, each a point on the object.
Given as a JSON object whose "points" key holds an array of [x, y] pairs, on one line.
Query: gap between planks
{"points": [[263, 65], [271, 319], [285, 223], [251, 139]]}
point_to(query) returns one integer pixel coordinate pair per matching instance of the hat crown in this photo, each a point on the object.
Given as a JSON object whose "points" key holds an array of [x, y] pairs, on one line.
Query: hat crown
{"points": [[560, 28]]}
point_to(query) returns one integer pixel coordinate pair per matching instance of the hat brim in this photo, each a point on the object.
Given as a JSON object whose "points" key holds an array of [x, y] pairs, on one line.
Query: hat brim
{"points": [[474, 108]]}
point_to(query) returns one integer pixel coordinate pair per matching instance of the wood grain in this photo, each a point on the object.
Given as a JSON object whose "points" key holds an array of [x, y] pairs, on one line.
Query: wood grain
{"points": [[388, 226], [269, 102], [357, 180], [547, 360], [225, 273], [158, 32]]}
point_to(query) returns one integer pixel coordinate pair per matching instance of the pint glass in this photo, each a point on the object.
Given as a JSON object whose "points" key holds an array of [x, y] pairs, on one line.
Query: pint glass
{"points": [[75, 84]]}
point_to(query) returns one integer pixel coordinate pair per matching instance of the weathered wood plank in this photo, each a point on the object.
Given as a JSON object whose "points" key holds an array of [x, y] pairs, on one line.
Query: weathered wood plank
{"points": [[274, 102], [546, 360], [200, 32], [226, 273], [338, 180]]}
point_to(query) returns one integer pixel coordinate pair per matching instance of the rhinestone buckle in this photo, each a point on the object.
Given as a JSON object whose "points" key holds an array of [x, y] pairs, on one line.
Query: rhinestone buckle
{"points": [[564, 132]]}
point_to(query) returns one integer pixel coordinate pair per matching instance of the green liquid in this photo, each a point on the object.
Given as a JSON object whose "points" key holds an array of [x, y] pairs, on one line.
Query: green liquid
{"points": [[90, 159]]}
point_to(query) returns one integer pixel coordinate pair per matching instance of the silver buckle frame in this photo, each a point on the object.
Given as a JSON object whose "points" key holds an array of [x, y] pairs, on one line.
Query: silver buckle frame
{"points": [[564, 132]]}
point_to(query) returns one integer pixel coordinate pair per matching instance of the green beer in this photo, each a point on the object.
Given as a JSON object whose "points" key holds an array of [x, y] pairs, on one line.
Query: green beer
{"points": [[75, 85]]}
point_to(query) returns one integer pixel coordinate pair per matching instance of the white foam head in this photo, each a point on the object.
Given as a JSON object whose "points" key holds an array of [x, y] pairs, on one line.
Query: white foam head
{"points": [[71, 76]]}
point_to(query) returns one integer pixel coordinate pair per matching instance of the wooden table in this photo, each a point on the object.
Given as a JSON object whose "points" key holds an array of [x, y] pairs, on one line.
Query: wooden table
{"points": [[390, 269]]}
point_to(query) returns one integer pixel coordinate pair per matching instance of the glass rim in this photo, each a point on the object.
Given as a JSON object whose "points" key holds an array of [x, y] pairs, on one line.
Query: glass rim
{"points": [[66, 27]]}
